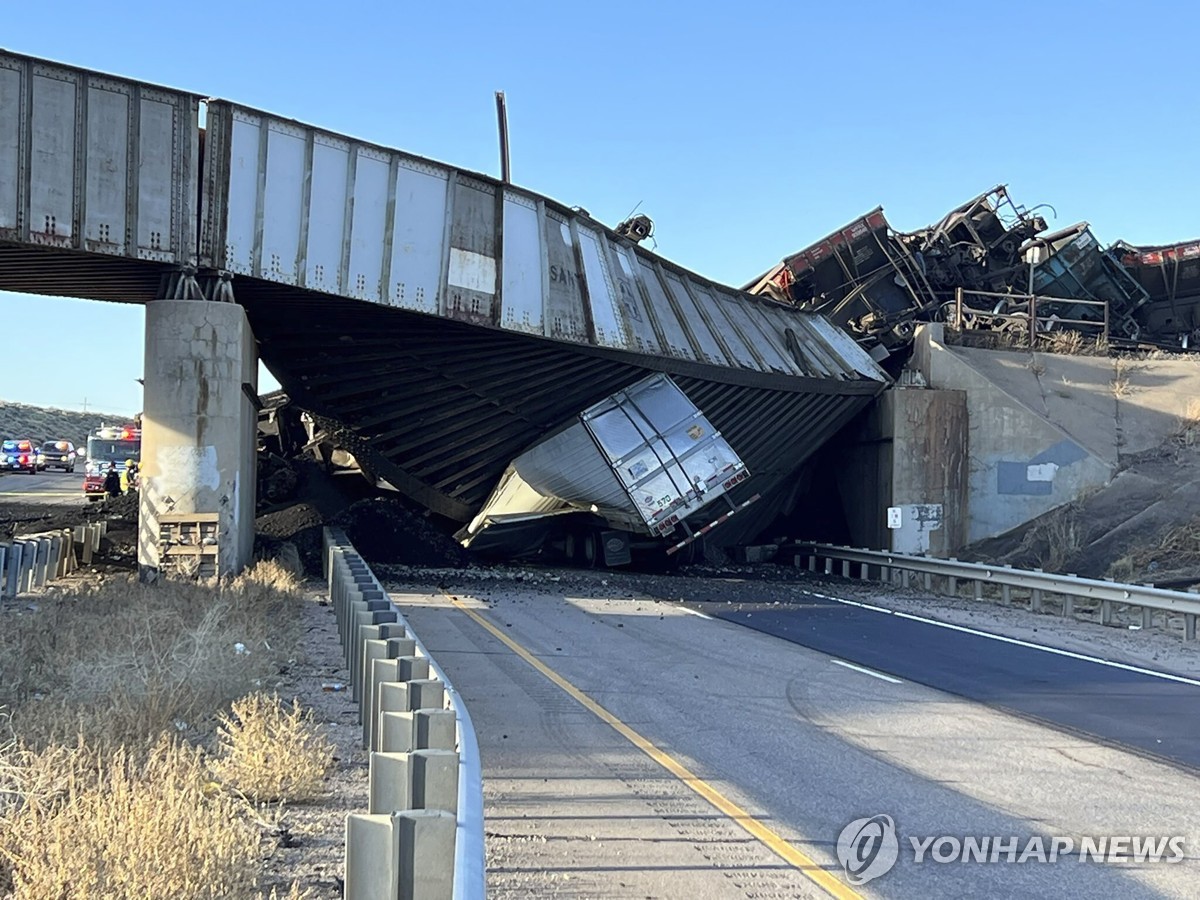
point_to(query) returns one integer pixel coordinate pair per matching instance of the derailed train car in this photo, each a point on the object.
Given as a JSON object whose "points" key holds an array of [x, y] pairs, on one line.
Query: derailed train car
{"points": [[995, 259], [1170, 276]]}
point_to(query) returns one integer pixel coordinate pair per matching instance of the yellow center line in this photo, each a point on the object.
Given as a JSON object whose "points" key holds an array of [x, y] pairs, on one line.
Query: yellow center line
{"points": [[769, 838]]}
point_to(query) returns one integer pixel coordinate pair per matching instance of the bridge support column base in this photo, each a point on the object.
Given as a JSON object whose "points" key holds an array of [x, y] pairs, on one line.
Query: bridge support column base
{"points": [[197, 474]]}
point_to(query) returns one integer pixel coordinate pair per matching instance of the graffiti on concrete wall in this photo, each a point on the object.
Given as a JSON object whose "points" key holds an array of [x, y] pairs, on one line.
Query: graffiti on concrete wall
{"points": [[1035, 477]]}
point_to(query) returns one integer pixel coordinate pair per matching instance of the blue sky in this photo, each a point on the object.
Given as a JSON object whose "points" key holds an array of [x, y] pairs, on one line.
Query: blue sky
{"points": [[745, 130]]}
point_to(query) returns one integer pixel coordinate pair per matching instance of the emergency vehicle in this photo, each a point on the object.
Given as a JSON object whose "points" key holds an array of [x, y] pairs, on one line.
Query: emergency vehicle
{"points": [[115, 444]]}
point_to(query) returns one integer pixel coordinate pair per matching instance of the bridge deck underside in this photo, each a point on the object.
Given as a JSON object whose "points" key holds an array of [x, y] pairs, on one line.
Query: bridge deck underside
{"points": [[31, 269], [440, 407]]}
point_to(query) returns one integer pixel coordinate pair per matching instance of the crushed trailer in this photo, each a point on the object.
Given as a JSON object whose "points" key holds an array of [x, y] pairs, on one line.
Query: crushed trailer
{"points": [[643, 465]]}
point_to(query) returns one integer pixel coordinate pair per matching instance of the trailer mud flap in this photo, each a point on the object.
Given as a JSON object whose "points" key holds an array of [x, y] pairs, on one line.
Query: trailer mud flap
{"points": [[675, 548]]}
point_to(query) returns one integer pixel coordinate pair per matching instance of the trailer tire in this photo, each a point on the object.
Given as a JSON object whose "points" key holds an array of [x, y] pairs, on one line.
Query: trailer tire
{"points": [[591, 552]]}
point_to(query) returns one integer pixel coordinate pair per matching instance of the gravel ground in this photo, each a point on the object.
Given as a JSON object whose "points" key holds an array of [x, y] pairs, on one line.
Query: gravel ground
{"points": [[311, 849]]}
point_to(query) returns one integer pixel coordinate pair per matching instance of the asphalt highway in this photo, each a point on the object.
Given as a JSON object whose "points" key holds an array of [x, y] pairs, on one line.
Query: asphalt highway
{"points": [[1153, 713], [49, 488], [633, 747]]}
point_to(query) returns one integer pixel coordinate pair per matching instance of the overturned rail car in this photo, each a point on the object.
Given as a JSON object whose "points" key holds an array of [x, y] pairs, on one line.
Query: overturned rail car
{"points": [[877, 283], [452, 323], [1170, 276]]}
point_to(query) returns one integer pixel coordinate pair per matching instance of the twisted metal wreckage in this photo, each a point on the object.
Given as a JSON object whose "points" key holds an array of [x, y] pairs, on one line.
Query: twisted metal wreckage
{"points": [[990, 269], [990, 265]]}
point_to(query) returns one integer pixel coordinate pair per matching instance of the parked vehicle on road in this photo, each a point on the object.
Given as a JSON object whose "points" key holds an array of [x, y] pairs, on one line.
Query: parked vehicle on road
{"points": [[57, 455], [19, 456]]}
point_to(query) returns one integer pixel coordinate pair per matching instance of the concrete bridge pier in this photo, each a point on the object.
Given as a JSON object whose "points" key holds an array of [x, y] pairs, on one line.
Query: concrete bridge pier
{"points": [[197, 495]]}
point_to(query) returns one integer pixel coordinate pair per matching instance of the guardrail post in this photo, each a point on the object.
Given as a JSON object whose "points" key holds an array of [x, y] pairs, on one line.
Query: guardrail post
{"points": [[1105, 612], [426, 839], [82, 545], [4, 553], [1189, 627], [421, 729], [812, 563], [435, 780], [72, 556], [952, 581], [885, 574], [905, 577], [864, 572], [375, 672], [41, 563], [29, 552], [401, 856], [407, 696], [433, 729], [978, 589], [829, 566], [1068, 605], [406, 852], [928, 581], [391, 782], [362, 617], [372, 857], [53, 557], [845, 568]]}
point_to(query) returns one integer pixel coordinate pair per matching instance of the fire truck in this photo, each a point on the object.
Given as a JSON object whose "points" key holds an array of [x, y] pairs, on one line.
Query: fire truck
{"points": [[111, 444]]}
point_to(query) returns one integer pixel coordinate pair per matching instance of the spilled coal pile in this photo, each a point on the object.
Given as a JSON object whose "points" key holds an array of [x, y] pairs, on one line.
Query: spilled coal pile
{"points": [[383, 529]]}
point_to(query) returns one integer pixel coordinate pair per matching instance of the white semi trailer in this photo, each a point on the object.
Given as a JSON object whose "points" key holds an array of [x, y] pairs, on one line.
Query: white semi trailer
{"points": [[643, 467]]}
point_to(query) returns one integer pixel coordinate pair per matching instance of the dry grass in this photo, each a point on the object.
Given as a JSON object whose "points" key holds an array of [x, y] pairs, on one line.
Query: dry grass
{"points": [[120, 826], [1056, 538], [108, 695], [1072, 343], [1119, 386], [1187, 429], [122, 662], [271, 751], [1177, 548]]}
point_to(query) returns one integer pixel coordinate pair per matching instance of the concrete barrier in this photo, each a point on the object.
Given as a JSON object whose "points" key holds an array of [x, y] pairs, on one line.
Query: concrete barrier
{"points": [[31, 561], [422, 834]]}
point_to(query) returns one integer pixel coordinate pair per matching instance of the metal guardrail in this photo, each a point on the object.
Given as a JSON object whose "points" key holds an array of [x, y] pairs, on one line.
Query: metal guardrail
{"points": [[423, 832], [1015, 313], [897, 566], [29, 561]]}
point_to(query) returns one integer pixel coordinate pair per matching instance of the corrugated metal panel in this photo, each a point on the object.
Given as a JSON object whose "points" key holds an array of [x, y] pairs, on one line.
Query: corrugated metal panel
{"points": [[293, 204], [94, 163], [443, 426]]}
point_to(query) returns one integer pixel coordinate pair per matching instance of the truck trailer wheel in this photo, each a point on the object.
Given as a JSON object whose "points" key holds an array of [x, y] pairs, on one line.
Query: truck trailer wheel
{"points": [[590, 549]]}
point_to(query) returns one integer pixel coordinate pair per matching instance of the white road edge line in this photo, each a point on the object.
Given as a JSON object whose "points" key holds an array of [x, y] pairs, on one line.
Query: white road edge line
{"points": [[866, 671], [696, 612], [1057, 651]]}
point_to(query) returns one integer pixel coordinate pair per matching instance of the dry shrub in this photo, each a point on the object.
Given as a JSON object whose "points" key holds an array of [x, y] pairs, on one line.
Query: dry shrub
{"points": [[1175, 549], [1187, 429], [1056, 538], [122, 662], [271, 751], [119, 826]]}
